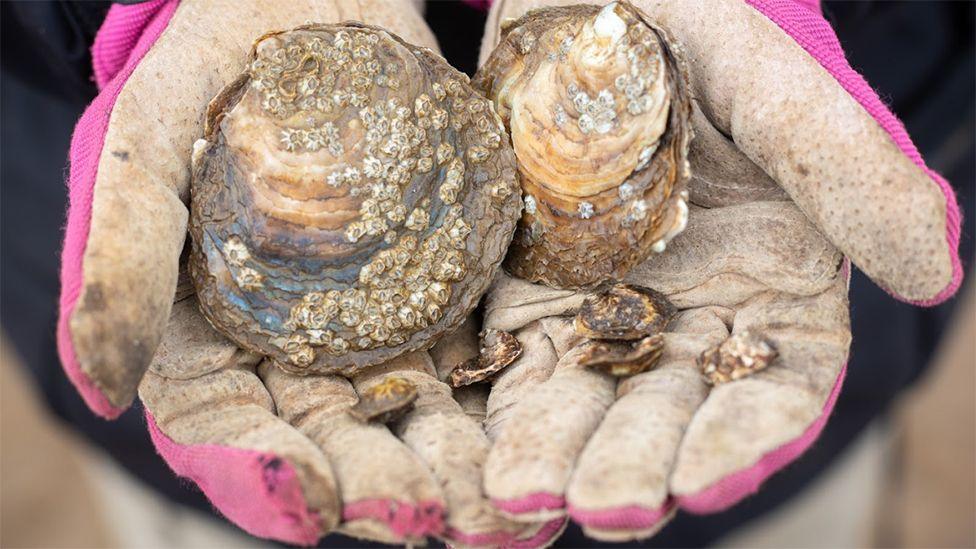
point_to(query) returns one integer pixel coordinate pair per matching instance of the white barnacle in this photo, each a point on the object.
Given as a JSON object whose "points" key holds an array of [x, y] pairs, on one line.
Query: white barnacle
{"points": [[638, 211], [235, 251], [585, 210], [626, 191], [560, 116]]}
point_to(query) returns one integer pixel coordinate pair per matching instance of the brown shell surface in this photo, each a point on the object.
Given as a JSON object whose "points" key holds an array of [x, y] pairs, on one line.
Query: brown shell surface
{"points": [[386, 401], [351, 201], [742, 354], [598, 106], [498, 350], [624, 311], [621, 359]]}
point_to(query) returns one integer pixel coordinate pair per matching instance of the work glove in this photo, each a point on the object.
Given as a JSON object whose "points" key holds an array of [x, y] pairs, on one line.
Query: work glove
{"points": [[796, 167], [277, 454]]}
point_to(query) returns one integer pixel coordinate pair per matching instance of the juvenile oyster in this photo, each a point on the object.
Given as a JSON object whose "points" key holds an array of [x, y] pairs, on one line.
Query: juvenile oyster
{"points": [[624, 312], [351, 200], [598, 107], [742, 354], [623, 358], [498, 350], [386, 401]]}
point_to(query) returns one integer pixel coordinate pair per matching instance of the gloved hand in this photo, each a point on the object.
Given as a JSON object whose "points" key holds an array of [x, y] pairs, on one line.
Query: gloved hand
{"points": [[277, 454], [796, 165]]}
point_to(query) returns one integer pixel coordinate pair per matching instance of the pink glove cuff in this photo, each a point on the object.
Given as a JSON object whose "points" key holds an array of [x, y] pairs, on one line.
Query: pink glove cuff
{"points": [[258, 491], [802, 20], [124, 38]]}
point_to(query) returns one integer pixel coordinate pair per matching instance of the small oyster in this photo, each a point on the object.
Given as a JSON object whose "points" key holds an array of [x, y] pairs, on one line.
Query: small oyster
{"points": [[599, 110], [623, 311], [386, 401], [351, 200], [742, 354], [498, 350], [623, 358]]}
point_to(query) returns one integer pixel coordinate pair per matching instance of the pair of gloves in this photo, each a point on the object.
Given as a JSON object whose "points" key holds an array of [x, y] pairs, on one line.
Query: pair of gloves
{"points": [[797, 166]]}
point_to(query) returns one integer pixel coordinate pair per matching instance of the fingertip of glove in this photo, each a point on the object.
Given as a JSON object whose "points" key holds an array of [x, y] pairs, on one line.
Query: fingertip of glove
{"points": [[626, 518], [733, 488], [407, 520], [258, 491], [532, 503], [94, 398], [543, 536]]}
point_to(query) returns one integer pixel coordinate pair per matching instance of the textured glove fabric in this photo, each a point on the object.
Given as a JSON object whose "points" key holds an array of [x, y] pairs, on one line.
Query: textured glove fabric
{"points": [[780, 119]]}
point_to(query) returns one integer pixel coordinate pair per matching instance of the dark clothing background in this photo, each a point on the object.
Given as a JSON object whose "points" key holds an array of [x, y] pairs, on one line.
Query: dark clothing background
{"points": [[918, 55]]}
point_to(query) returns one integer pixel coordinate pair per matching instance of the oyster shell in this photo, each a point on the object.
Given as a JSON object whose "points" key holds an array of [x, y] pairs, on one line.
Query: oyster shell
{"points": [[385, 402], [599, 111], [742, 354], [498, 350], [351, 200], [623, 358], [624, 312]]}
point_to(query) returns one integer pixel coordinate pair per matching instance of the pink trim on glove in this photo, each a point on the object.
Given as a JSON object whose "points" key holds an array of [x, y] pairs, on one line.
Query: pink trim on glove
{"points": [[86, 149], [480, 5], [629, 517], [507, 540], [118, 35], [257, 491], [812, 32], [719, 496], [539, 501], [404, 519], [733, 488]]}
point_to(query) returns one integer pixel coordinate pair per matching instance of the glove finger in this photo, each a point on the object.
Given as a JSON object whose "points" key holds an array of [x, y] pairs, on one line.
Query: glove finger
{"points": [[773, 79], [220, 431], [510, 386], [454, 448], [533, 456], [619, 489], [791, 103], [129, 173], [748, 429], [387, 492]]}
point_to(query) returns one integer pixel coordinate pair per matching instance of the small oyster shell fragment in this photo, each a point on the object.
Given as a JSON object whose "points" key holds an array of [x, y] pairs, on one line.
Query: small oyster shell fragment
{"points": [[351, 199], [386, 401], [740, 355], [621, 359], [498, 350], [599, 112], [623, 312]]}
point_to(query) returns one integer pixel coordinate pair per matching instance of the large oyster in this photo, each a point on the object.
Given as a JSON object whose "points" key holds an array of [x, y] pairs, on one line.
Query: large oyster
{"points": [[351, 200], [598, 107]]}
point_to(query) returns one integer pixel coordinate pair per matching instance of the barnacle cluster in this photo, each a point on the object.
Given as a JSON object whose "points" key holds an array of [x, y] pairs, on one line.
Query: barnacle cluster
{"points": [[598, 107], [351, 199]]}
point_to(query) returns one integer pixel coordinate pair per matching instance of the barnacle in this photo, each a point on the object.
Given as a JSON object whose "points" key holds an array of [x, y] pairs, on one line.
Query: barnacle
{"points": [[598, 107], [351, 199]]}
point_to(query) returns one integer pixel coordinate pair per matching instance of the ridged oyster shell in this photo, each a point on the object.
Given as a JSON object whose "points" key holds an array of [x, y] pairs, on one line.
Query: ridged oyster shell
{"points": [[351, 200], [598, 107]]}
